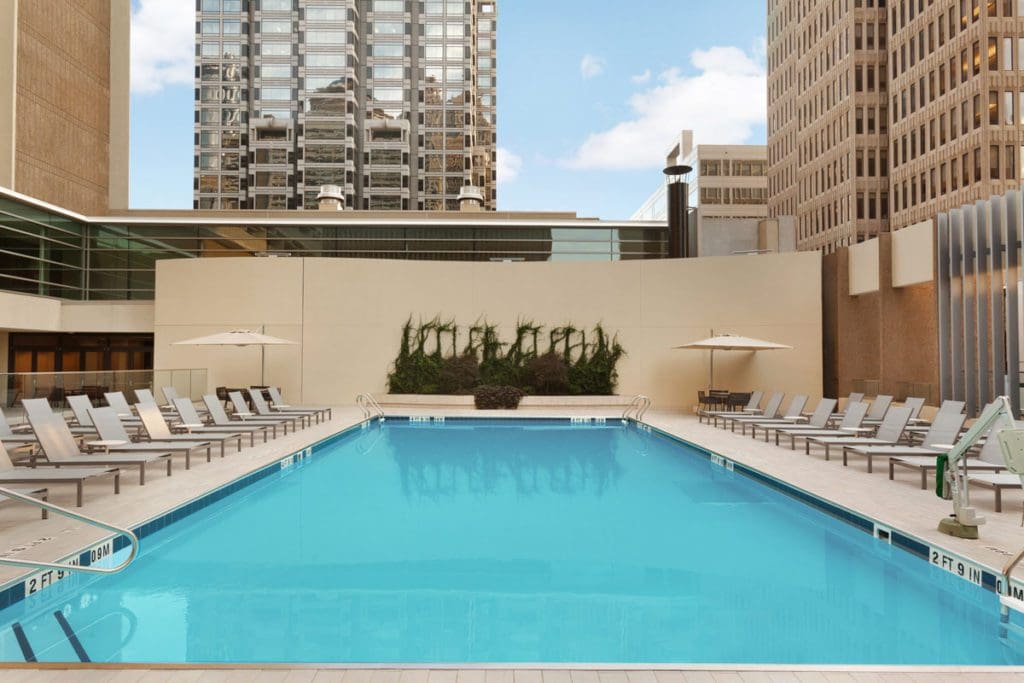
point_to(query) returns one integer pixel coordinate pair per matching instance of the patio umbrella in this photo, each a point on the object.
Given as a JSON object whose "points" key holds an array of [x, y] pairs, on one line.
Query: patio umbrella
{"points": [[730, 342], [239, 338]]}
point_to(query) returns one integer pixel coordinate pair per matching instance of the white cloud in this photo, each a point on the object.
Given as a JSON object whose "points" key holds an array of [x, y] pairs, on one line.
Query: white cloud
{"points": [[721, 103], [640, 79], [163, 44], [509, 165], [591, 66]]}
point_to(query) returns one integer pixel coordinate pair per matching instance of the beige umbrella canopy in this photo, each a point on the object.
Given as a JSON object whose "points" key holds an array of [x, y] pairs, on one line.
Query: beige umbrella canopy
{"points": [[730, 342], [239, 338]]}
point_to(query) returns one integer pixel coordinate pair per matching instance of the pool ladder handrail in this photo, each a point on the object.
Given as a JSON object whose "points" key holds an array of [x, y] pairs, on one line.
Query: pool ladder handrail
{"points": [[92, 521], [368, 404], [637, 408]]}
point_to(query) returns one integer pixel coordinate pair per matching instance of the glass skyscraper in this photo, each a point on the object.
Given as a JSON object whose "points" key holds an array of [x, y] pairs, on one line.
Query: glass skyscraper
{"points": [[391, 100]]}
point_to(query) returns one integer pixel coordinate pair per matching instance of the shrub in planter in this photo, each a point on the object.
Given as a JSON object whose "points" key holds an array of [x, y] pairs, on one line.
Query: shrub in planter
{"points": [[490, 397], [548, 375], [459, 374]]}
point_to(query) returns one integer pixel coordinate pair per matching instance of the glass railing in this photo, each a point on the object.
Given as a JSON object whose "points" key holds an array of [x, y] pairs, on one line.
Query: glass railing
{"points": [[57, 386]]}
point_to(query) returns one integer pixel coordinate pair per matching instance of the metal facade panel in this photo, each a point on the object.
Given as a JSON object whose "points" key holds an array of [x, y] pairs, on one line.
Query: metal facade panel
{"points": [[982, 301], [942, 257], [1014, 232], [956, 318], [997, 298]]}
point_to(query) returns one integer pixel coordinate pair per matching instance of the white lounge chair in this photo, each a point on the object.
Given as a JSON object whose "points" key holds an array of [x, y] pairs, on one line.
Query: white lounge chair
{"points": [[771, 412], [277, 403], [794, 415], [919, 426], [243, 413], [220, 419], [889, 432], [851, 420], [13, 439], [116, 439], [156, 429], [9, 474], [61, 450], [989, 460], [879, 407], [41, 492], [193, 424], [39, 408], [81, 405], [943, 431], [263, 409]]}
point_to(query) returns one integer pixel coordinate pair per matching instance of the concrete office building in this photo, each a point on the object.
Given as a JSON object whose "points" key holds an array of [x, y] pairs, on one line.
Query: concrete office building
{"points": [[882, 115], [957, 102], [827, 119], [64, 70], [728, 195], [392, 101]]}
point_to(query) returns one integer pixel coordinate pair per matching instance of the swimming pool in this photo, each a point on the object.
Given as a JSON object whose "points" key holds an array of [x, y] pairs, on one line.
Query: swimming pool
{"points": [[512, 541]]}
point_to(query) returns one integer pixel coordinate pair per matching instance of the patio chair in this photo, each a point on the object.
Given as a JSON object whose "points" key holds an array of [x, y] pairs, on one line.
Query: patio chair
{"points": [[117, 401], [13, 439], [116, 439], [852, 419], [61, 450], [40, 407], [879, 407], [194, 425], [817, 420], [889, 432], [242, 413], [170, 393], [771, 411], [919, 426], [9, 474], [943, 431], [277, 403], [220, 418], [145, 397], [156, 429], [263, 409], [81, 405]]}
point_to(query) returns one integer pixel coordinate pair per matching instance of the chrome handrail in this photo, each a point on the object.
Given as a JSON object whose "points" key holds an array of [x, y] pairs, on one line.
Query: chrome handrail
{"points": [[50, 507], [369, 406], [637, 408]]}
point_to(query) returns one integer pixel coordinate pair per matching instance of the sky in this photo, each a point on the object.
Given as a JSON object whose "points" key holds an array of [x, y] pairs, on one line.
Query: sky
{"points": [[591, 94]]}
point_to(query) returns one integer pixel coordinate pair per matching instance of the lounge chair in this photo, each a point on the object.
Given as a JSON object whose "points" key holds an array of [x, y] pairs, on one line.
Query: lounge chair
{"points": [[194, 425], [13, 439], [39, 408], [81, 405], [997, 482], [117, 401], [118, 441], [794, 414], [243, 413], [818, 419], [145, 397], [889, 432], [61, 450], [39, 491], [794, 411], [876, 413], [851, 420], [771, 412], [750, 409], [989, 460], [158, 432], [9, 474], [263, 409], [220, 419], [854, 397], [170, 393], [942, 432], [277, 403], [919, 426]]}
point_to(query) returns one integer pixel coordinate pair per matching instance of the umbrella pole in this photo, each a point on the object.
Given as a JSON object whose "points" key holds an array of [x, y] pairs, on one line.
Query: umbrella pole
{"points": [[711, 376]]}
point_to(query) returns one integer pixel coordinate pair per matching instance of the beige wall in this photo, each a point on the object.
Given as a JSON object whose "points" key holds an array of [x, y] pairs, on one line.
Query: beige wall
{"points": [[913, 255], [347, 314], [45, 314], [864, 268], [120, 87]]}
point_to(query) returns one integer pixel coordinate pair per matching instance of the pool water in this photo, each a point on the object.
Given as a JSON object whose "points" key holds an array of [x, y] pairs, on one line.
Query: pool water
{"points": [[514, 541]]}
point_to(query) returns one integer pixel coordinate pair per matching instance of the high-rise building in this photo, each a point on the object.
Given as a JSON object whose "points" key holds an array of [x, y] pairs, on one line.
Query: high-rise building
{"points": [[827, 119], [882, 115], [64, 70], [957, 107], [393, 101]]}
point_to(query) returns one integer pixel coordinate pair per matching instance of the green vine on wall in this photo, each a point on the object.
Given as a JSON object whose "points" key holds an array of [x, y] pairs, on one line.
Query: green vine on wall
{"points": [[567, 360]]}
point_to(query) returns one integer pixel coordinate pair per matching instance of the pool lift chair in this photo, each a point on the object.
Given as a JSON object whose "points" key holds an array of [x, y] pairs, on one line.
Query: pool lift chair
{"points": [[952, 466]]}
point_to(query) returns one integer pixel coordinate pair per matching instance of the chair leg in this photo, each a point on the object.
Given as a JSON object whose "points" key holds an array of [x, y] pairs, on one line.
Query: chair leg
{"points": [[142, 474], [78, 497]]}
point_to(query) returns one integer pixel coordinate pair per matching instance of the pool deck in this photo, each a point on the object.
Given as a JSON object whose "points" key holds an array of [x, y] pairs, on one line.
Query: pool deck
{"points": [[900, 503]]}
